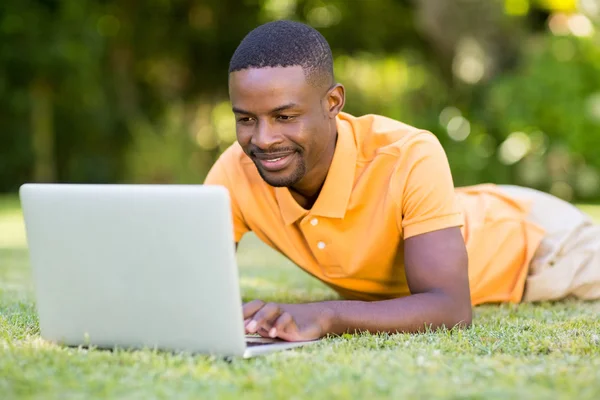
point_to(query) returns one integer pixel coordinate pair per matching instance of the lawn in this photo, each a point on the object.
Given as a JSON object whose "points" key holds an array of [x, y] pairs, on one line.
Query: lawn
{"points": [[525, 351]]}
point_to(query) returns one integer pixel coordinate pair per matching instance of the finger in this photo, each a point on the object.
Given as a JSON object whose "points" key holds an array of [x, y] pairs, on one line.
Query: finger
{"points": [[249, 309], [263, 332], [284, 323], [264, 317]]}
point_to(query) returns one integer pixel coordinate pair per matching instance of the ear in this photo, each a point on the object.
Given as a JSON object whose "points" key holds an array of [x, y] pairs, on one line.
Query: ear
{"points": [[336, 98]]}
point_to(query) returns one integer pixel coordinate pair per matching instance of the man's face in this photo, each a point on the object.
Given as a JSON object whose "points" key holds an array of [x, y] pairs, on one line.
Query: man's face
{"points": [[283, 123]]}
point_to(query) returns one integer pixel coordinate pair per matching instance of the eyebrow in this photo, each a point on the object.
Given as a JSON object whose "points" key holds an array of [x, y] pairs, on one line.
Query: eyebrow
{"points": [[275, 110]]}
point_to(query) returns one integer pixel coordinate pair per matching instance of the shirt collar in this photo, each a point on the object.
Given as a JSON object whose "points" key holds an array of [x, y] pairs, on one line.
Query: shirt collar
{"points": [[335, 193]]}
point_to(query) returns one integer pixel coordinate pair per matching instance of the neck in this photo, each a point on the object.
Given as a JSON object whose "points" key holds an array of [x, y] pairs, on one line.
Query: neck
{"points": [[307, 190]]}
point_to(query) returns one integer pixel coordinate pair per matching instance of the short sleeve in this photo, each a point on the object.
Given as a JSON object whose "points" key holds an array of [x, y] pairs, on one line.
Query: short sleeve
{"points": [[425, 188], [218, 176]]}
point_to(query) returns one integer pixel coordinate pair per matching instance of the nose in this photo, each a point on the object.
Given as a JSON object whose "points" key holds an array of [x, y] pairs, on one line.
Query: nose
{"points": [[265, 137]]}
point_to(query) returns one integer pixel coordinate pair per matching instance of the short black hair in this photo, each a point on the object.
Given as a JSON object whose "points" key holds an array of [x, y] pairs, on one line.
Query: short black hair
{"points": [[286, 43]]}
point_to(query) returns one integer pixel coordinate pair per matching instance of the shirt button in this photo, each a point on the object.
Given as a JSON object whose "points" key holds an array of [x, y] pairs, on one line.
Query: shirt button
{"points": [[321, 245], [314, 222]]}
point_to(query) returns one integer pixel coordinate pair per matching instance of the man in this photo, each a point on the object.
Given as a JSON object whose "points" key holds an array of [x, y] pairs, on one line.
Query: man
{"points": [[367, 205]]}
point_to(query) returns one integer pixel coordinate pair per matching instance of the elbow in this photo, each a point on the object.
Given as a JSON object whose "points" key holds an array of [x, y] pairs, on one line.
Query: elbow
{"points": [[466, 318], [462, 317], [457, 311]]}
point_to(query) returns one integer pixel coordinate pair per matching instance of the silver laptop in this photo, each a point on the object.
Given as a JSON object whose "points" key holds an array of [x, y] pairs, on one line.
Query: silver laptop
{"points": [[138, 266]]}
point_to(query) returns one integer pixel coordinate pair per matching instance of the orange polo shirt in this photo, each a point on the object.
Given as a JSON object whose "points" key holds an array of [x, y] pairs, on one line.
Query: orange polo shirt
{"points": [[387, 182]]}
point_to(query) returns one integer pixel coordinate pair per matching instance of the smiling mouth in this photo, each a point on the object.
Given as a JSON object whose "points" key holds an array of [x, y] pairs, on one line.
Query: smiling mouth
{"points": [[273, 159], [274, 162]]}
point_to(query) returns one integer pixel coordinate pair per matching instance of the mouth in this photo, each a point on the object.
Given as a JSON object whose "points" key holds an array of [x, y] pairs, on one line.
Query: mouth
{"points": [[275, 161]]}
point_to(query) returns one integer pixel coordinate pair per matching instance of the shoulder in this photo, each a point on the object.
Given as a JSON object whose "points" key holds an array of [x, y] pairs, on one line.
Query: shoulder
{"points": [[377, 135]]}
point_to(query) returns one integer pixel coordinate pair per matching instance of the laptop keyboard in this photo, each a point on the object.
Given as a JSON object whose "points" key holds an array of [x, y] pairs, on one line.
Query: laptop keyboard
{"points": [[254, 344], [260, 341]]}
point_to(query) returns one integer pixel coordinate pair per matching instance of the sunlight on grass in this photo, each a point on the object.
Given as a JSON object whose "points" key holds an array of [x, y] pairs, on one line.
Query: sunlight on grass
{"points": [[512, 351], [12, 231], [12, 228]]}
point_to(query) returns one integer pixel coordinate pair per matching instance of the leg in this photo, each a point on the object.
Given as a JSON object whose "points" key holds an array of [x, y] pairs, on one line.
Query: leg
{"points": [[567, 263]]}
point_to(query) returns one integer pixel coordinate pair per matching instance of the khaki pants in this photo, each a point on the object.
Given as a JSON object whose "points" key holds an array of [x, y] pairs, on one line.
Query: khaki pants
{"points": [[567, 263]]}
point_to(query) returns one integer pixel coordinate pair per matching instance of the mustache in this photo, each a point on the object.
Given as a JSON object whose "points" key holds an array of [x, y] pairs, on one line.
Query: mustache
{"points": [[254, 150]]}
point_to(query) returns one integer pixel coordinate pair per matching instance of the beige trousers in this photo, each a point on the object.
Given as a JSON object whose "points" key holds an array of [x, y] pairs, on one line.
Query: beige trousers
{"points": [[567, 263]]}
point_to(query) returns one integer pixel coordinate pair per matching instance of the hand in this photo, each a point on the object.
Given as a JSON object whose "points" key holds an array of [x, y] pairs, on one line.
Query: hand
{"points": [[291, 322]]}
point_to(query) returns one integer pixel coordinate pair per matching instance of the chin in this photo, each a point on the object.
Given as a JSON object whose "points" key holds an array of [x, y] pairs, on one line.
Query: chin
{"points": [[279, 181], [287, 177]]}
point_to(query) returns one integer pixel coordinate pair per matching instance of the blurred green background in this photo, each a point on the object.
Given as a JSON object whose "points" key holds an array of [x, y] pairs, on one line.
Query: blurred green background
{"points": [[136, 90]]}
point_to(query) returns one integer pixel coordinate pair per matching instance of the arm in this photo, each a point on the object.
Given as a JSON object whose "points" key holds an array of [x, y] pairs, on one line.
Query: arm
{"points": [[435, 255], [436, 269]]}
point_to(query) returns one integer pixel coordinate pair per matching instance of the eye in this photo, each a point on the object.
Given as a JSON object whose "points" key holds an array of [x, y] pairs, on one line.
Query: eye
{"points": [[245, 120], [285, 117]]}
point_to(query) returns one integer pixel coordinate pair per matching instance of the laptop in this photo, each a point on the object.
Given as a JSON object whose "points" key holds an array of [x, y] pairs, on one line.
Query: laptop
{"points": [[138, 266]]}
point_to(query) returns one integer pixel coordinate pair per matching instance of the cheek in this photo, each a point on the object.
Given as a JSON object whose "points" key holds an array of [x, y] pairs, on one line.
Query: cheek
{"points": [[243, 135], [304, 134], [301, 137], [314, 139]]}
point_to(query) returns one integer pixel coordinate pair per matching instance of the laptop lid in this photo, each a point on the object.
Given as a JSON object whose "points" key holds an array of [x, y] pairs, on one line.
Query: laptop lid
{"points": [[135, 266]]}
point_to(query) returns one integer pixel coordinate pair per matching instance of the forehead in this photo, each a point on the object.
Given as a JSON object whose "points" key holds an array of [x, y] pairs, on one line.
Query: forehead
{"points": [[267, 88]]}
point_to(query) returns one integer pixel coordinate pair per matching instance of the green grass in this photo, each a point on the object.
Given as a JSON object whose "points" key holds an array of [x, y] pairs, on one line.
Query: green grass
{"points": [[525, 351]]}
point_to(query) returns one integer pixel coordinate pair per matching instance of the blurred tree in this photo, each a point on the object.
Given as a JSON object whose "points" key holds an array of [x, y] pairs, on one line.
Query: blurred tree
{"points": [[130, 90], [472, 40]]}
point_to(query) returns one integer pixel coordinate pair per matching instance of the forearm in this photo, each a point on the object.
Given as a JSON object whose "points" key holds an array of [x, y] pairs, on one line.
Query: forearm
{"points": [[409, 314]]}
